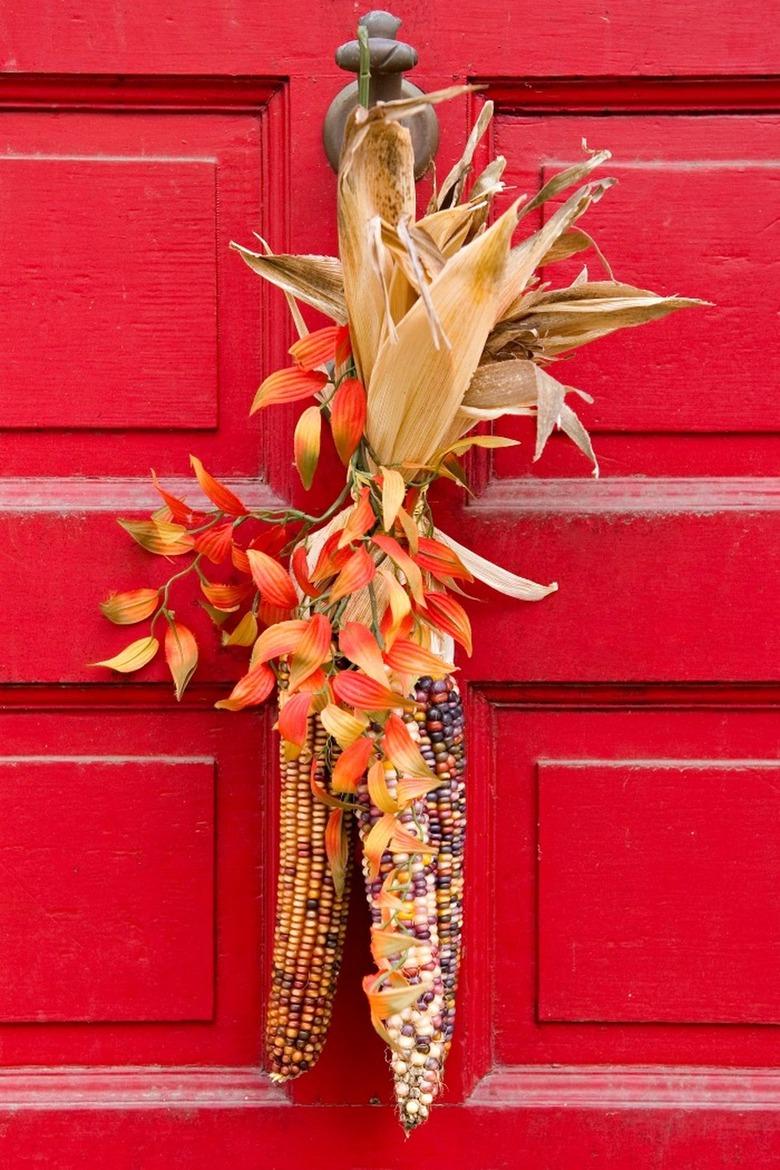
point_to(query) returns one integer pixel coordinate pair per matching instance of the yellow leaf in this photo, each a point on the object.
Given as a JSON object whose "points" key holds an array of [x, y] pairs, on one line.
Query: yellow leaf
{"points": [[343, 725], [181, 654], [133, 657], [244, 634], [393, 492], [306, 444], [489, 441]]}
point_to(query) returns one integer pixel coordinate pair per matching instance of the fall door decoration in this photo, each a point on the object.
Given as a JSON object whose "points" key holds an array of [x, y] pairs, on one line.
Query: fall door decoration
{"points": [[437, 324]]}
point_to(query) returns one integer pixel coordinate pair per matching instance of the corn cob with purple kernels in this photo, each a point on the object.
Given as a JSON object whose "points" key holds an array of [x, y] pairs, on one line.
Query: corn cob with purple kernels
{"points": [[442, 744]]}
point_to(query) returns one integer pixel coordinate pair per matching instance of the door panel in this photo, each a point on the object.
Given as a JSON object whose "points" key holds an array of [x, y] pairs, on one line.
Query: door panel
{"points": [[136, 852], [619, 999]]}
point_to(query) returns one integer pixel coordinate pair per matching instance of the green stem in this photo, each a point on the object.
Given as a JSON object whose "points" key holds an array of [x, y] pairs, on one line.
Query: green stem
{"points": [[284, 515], [166, 588], [364, 77], [209, 524], [375, 618]]}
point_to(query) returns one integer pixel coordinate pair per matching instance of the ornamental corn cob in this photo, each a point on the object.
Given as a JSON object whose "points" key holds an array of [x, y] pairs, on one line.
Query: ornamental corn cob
{"points": [[440, 725], [311, 920], [415, 1032]]}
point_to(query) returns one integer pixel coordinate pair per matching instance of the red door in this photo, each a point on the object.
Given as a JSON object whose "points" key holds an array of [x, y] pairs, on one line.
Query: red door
{"points": [[621, 995]]}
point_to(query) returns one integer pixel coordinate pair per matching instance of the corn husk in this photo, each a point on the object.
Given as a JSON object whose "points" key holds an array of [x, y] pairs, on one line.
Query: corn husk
{"points": [[451, 324]]}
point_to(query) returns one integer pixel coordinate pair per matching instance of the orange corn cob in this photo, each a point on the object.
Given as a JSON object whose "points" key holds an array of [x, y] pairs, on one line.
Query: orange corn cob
{"points": [[311, 918]]}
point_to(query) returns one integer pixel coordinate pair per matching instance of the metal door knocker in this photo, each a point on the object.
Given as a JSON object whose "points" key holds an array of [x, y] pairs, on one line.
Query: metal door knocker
{"points": [[390, 59]]}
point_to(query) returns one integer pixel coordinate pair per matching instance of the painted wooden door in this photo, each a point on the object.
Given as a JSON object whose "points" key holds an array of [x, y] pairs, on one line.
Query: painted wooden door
{"points": [[621, 998]]}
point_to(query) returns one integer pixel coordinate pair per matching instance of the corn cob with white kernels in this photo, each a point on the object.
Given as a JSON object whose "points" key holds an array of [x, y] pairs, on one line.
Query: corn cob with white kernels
{"points": [[311, 917], [401, 894]]}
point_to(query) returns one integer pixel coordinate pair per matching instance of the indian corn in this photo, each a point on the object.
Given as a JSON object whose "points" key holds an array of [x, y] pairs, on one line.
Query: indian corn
{"points": [[311, 918], [420, 896]]}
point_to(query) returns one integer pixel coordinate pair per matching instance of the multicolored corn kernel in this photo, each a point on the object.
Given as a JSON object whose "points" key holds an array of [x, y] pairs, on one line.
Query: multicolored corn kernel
{"points": [[415, 1032], [440, 723], [311, 921]]}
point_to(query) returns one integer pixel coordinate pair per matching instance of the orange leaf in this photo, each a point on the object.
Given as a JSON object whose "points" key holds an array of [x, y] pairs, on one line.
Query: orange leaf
{"points": [[317, 348], [331, 558], [271, 615], [359, 521], [398, 614], [227, 597], [403, 752], [377, 842], [357, 643], [317, 684], [272, 540], [272, 580], [289, 385], [300, 570], [306, 444], [294, 718], [404, 842], [348, 417], [404, 562], [240, 559], [448, 615], [410, 789], [124, 609], [220, 496], [356, 574], [181, 654], [351, 765], [390, 632], [253, 688], [411, 531], [392, 998], [343, 346], [321, 793], [386, 942], [159, 536], [180, 511], [365, 694], [378, 790], [441, 561], [133, 657], [336, 848], [387, 899], [215, 543], [312, 650], [278, 640], [407, 657]]}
